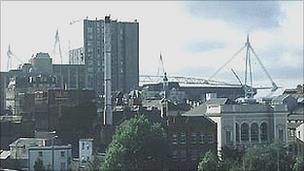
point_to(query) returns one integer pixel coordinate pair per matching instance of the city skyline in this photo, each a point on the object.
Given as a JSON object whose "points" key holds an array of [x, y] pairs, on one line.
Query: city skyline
{"points": [[193, 37]]}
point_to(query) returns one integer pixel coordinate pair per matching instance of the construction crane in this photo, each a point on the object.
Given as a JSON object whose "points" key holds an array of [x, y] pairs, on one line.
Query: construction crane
{"points": [[10, 56], [248, 83], [74, 21], [161, 67], [57, 42]]}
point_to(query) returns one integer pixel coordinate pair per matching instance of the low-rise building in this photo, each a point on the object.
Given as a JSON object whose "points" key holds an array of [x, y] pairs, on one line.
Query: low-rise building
{"points": [[57, 157], [19, 148]]}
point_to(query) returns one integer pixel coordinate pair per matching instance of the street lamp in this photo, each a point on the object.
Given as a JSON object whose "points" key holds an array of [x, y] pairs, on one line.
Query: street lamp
{"points": [[54, 137]]}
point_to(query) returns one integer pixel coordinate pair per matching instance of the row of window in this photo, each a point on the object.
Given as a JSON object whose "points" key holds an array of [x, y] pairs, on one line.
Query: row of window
{"points": [[182, 154], [254, 130], [194, 138]]}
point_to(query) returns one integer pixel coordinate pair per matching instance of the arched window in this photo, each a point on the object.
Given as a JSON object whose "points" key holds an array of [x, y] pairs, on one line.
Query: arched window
{"points": [[254, 132], [264, 132], [237, 132], [244, 132]]}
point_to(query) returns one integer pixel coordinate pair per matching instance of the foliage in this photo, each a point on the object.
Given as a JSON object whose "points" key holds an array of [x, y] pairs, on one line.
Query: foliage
{"points": [[95, 164], [209, 162], [299, 164], [38, 166], [267, 158], [137, 145], [233, 153], [232, 158]]}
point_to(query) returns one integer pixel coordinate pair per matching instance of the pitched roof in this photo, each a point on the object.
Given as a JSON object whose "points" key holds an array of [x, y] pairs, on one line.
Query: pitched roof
{"points": [[197, 111], [217, 101]]}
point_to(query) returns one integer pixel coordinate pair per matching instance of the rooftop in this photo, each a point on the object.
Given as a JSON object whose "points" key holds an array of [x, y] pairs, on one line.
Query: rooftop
{"points": [[20, 142]]}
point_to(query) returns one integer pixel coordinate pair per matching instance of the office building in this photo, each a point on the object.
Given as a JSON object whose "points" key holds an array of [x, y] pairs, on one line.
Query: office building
{"points": [[124, 54]]}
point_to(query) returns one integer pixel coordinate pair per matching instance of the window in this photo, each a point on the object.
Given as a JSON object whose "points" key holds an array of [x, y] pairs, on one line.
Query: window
{"points": [[183, 155], [299, 134], [281, 133], [201, 138], [174, 138], [193, 138], [82, 146], [244, 132], [208, 139], [237, 132], [62, 153], [174, 154], [183, 138], [193, 154], [264, 132], [254, 132], [40, 153], [228, 137], [88, 147], [90, 29], [62, 166]]}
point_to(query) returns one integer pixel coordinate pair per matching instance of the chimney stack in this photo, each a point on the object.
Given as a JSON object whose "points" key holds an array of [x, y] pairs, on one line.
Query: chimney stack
{"points": [[107, 74]]}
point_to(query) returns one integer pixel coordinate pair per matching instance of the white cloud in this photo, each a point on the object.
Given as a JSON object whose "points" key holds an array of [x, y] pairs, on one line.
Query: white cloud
{"points": [[164, 26]]}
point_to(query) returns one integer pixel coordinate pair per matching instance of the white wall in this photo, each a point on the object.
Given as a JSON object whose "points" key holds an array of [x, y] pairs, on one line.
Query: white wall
{"points": [[300, 132], [85, 149], [47, 157]]}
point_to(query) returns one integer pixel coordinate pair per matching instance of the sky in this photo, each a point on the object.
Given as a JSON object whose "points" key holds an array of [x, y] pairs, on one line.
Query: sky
{"points": [[194, 37]]}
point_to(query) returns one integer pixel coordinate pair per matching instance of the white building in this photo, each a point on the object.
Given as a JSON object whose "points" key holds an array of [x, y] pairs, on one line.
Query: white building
{"points": [[245, 124], [85, 150], [300, 132], [53, 157], [19, 148]]}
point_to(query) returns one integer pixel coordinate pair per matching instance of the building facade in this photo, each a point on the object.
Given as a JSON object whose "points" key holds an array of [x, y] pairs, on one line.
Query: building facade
{"points": [[3, 85], [190, 137], [76, 56], [246, 124], [124, 54]]}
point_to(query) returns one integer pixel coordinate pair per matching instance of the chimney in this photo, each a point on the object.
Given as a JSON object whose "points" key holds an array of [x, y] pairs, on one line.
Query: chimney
{"points": [[107, 74]]}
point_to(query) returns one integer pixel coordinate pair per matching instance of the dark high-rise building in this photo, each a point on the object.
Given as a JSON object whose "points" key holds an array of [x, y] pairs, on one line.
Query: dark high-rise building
{"points": [[3, 82], [124, 54]]}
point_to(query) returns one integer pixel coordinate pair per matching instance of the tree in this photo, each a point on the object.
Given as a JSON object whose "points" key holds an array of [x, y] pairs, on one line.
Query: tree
{"points": [[267, 158], [299, 164], [232, 158], [137, 145], [209, 161], [38, 166]]}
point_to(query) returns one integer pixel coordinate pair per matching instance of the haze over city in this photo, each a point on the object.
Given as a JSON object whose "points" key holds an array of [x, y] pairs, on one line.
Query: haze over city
{"points": [[193, 37]]}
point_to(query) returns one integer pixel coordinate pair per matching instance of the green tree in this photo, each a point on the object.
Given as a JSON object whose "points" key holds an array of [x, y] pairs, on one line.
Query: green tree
{"points": [[209, 161], [137, 145], [267, 158], [38, 166], [232, 158], [299, 164]]}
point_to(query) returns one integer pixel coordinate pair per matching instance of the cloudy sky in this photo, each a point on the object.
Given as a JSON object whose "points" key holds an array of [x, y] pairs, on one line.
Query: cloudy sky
{"points": [[195, 38]]}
